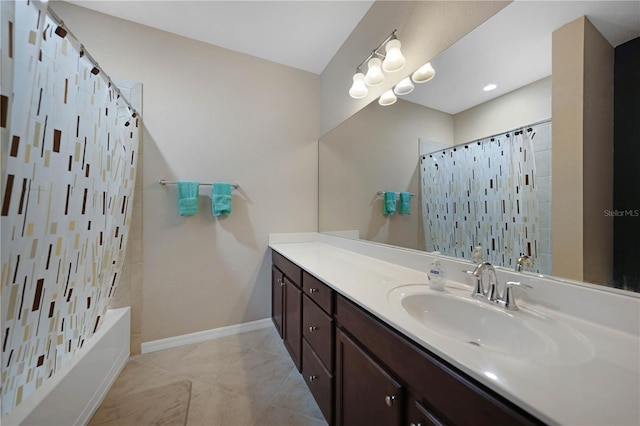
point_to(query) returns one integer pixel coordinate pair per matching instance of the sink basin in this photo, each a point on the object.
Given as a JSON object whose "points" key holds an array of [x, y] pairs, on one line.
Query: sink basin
{"points": [[481, 324]]}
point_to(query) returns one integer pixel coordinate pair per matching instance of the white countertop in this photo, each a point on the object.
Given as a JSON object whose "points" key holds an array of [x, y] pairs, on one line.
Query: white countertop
{"points": [[600, 386]]}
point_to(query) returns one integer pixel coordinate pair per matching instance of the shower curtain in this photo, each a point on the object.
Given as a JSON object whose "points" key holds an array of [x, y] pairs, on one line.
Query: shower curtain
{"points": [[69, 154], [485, 193]]}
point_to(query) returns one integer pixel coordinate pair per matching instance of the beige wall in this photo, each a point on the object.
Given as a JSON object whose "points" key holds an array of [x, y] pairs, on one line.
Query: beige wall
{"points": [[425, 28], [520, 107], [377, 150], [211, 114], [582, 163]]}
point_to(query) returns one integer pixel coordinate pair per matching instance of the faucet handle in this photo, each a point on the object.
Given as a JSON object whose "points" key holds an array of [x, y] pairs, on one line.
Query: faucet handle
{"points": [[507, 300], [478, 288]]}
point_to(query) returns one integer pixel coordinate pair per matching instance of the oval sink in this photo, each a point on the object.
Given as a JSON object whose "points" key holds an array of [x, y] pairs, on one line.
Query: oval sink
{"points": [[481, 324]]}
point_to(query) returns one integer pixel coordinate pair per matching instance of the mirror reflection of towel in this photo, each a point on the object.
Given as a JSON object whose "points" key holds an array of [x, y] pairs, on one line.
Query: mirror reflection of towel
{"points": [[221, 199], [389, 204], [188, 197], [405, 203]]}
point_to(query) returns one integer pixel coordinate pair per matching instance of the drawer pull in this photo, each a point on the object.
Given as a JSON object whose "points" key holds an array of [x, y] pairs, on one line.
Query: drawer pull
{"points": [[313, 377], [416, 424], [389, 400], [313, 328], [313, 290]]}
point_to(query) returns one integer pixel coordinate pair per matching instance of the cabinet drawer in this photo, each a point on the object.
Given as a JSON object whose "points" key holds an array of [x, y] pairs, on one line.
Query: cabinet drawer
{"points": [[289, 268], [317, 328], [318, 291], [319, 381]]}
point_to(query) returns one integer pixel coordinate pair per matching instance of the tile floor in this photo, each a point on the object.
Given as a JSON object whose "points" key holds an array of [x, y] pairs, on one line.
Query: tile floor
{"points": [[242, 380]]}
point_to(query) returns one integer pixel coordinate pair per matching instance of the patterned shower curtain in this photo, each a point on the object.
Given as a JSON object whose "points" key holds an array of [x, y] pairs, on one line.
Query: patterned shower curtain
{"points": [[484, 193], [69, 154]]}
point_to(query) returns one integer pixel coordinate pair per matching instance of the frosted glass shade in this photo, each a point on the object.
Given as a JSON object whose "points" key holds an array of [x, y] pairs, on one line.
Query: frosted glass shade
{"points": [[404, 87], [358, 88], [387, 98], [393, 61], [423, 74], [374, 75]]}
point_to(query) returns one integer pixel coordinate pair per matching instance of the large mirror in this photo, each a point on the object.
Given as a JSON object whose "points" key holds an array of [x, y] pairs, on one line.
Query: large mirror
{"points": [[381, 148]]}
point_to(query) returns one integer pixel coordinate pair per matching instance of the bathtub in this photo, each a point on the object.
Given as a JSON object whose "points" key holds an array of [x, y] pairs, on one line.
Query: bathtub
{"points": [[75, 391]]}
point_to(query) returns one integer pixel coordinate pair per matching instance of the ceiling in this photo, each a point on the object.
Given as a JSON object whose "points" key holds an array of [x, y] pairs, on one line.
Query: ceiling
{"points": [[513, 49], [300, 34]]}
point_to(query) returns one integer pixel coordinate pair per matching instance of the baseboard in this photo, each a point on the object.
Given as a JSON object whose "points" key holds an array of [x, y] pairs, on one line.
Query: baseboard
{"points": [[201, 336]]}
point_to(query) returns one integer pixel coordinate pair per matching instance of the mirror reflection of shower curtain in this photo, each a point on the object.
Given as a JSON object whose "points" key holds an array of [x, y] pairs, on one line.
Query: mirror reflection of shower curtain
{"points": [[486, 193]]}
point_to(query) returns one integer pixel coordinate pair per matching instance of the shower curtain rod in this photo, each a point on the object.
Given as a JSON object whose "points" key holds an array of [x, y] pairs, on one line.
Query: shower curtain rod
{"points": [[84, 51], [548, 120]]}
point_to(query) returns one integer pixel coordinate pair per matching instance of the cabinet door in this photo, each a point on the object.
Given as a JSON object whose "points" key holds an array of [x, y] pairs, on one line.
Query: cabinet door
{"points": [[293, 321], [277, 298], [365, 393], [419, 415]]}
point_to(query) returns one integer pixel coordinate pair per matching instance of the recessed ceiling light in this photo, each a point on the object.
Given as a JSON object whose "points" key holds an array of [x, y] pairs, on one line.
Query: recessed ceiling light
{"points": [[489, 87]]}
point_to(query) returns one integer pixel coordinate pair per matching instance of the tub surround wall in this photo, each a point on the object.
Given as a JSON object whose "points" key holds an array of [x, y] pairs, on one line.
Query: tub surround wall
{"points": [[211, 114]]}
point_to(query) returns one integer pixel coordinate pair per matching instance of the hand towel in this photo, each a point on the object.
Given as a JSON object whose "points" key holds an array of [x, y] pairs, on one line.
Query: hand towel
{"points": [[389, 203], [221, 199], [188, 197], [405, 203]]}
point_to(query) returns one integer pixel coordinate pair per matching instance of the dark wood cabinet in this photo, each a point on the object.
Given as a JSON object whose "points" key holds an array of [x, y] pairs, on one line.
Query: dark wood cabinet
{"points": [[293, 322], [277, 298], [366, 394], [362, 371]]}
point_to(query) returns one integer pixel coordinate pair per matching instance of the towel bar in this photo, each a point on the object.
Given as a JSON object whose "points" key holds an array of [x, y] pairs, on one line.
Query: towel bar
{"points": [[166, 182], [381, 193]]}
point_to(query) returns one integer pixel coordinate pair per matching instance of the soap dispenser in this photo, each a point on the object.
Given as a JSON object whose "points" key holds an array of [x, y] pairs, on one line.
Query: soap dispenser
{"points": [[437, 274], [477, 258]]}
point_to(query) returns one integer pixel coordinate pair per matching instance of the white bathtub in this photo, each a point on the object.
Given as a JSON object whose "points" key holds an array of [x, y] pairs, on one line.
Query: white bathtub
{"points": [[75, 391]]}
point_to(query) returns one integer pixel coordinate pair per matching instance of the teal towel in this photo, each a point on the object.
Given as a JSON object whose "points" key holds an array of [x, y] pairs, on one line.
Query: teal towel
{"points": [[389, 204], [405, 203], [188, 197], [221, 199]]}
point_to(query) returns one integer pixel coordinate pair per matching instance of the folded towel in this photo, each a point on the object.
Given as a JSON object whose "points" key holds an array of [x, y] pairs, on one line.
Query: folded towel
{"points": [[389, 204], [188, 197], [221, 199], [405, 203]]}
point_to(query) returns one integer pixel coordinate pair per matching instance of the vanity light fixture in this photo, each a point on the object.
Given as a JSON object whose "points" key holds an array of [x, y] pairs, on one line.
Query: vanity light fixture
{"points": [[404, 87], [377, 65], [424, 73], [387, 98], [489, 87], [359, 88]]}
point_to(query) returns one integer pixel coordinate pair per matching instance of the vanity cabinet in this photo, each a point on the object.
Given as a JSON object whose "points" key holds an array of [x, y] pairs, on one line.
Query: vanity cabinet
{"points": [[287, 307], [362, 371]]}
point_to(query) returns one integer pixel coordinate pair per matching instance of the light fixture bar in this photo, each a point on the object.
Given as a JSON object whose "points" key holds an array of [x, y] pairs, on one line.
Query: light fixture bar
{"points": [[375, 51]]}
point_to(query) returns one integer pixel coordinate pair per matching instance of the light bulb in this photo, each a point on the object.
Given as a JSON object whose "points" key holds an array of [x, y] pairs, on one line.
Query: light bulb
{"points": [[393, 61], [424, 73], [358, 89], [387, 98], [374, 75], [404, 87]]}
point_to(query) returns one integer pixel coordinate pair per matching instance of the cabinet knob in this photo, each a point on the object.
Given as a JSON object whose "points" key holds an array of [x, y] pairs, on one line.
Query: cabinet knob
{"points": [[389, 399], [313, 377], [313, 290], [313, 328]]}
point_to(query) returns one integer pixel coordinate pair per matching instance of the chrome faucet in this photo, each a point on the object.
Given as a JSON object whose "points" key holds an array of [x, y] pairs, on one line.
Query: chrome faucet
{"points": [[523, 260], [478, 291], [507, 299]]}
